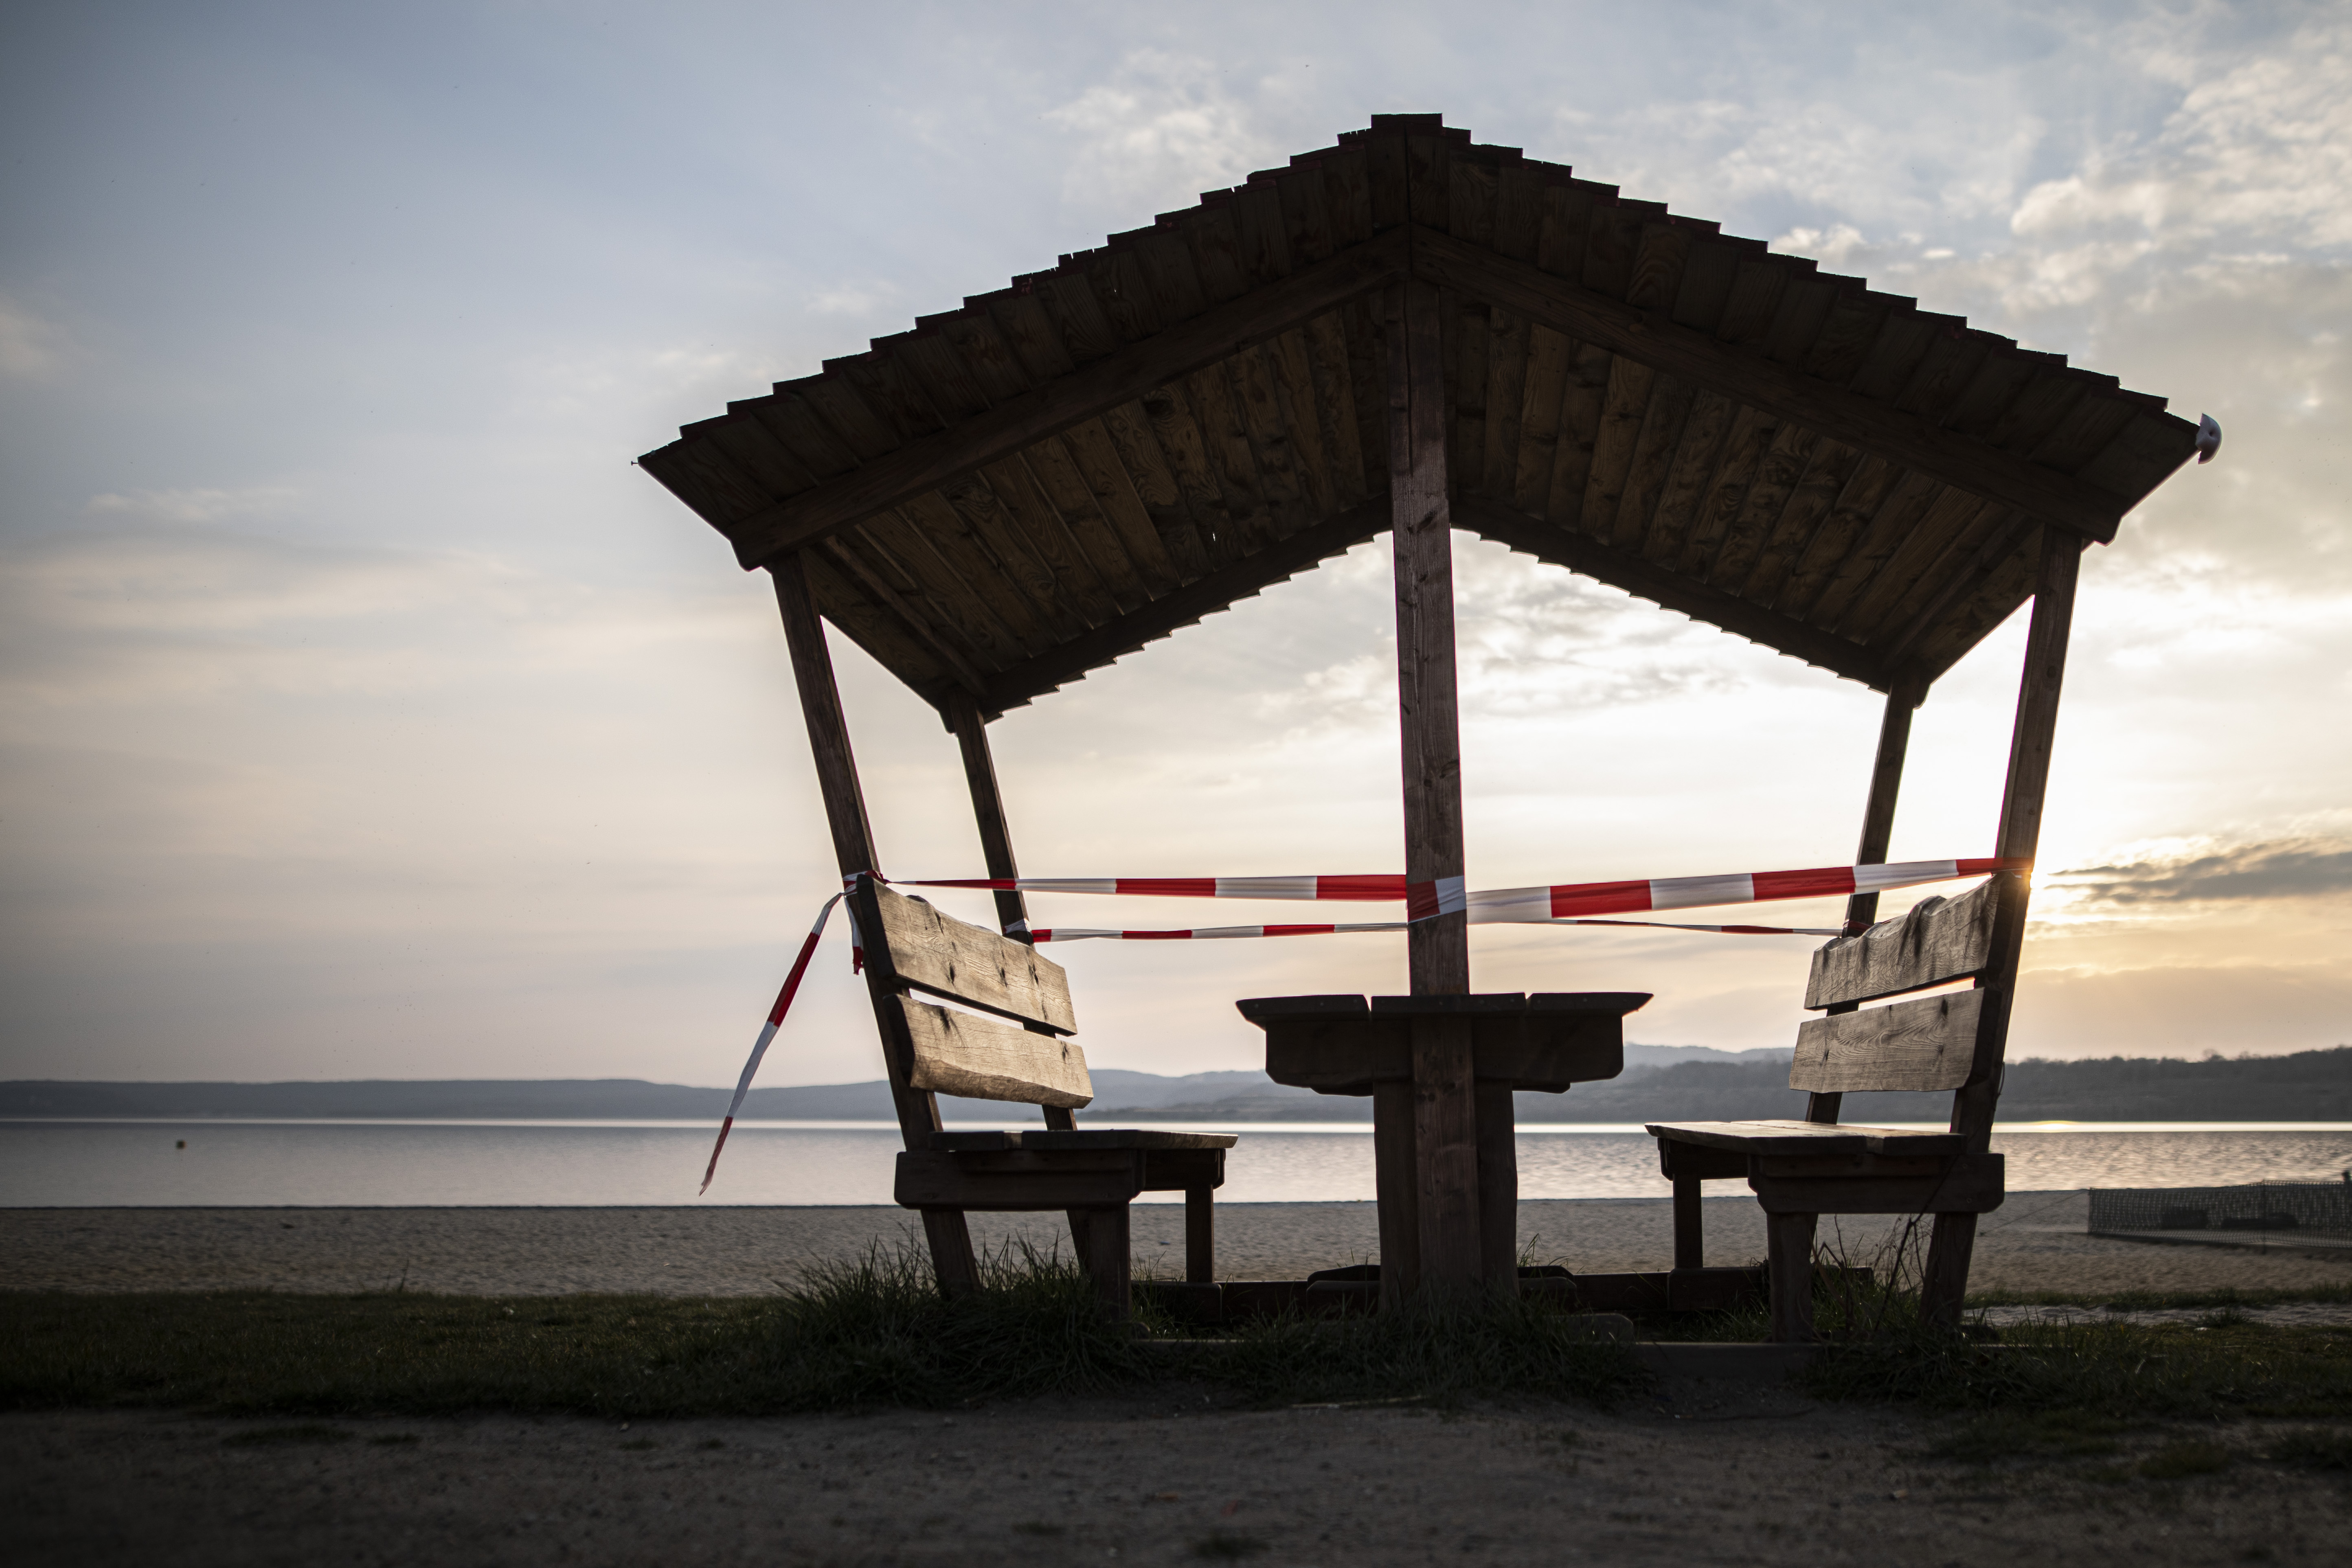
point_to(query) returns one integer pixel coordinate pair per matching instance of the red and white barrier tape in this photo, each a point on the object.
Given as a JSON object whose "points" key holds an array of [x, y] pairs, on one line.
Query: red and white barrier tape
{"points": [[1562, 903], [767, 1034]]}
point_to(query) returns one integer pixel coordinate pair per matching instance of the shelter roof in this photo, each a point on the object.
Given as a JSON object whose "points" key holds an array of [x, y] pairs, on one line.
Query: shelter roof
{"points": [[1024, 490]]}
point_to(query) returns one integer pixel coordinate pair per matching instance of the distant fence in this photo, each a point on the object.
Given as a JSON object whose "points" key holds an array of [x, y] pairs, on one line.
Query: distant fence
{"points": [[2316, 1209]]}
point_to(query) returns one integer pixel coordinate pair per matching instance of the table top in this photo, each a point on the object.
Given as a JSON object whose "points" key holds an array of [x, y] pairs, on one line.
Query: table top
{"points": [[1344, 1044]]}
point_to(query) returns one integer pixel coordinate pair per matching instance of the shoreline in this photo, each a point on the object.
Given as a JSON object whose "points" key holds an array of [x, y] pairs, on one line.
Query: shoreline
{"points": [[2036, 1241]]}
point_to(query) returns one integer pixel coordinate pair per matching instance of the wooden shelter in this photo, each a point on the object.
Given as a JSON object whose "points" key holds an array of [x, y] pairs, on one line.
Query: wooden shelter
{"points": [[1412, 332]]}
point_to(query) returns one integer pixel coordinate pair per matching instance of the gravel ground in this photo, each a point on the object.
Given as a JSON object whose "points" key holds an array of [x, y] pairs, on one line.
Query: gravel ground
{"points": [[1699, 1473], [2034, 1242]]}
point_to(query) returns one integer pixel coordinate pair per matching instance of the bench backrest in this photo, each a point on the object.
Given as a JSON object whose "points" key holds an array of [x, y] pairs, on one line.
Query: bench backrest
{"points": [[914, 947], [1926, 1043]]}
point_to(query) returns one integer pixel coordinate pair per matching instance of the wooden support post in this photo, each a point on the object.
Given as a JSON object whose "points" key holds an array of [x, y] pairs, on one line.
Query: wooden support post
{"points": [[1788, 1275], [1200, 1235], [1878, 831], [1690, 1240], [1445, 1109], [1106, 1255], [1398, 1192], [1945, 1283], [1498, 1187], [853, 848]]}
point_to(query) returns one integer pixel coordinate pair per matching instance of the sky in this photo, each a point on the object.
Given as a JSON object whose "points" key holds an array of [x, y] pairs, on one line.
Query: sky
{"points": [[363, 712]]}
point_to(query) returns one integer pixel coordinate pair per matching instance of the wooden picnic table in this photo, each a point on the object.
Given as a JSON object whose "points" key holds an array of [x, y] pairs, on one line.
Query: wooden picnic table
{"points": [[1441, 1071]]}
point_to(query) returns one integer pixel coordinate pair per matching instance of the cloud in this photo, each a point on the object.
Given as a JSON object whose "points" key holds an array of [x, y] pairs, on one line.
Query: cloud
{"points": [[190, 505], [2279, 869], [31, 346], [1163, 128]]}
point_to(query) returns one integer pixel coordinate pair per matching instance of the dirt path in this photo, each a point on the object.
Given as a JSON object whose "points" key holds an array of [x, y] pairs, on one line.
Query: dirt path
{"points": [[1716, 1473], [2036, 1241]]}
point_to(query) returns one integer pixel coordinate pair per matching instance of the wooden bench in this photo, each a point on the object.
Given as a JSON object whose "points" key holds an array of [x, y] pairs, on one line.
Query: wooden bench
{"points": [[1801, 1169], [1093, 1173]]}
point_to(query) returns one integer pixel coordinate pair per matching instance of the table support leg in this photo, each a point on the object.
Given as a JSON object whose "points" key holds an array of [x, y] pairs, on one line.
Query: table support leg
{"points": [[1392, 1168], [1445, 1142], [1498, 1187]]}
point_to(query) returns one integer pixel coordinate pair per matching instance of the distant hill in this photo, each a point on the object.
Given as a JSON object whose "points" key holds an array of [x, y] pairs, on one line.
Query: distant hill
{"points": [[1660, 1082]]}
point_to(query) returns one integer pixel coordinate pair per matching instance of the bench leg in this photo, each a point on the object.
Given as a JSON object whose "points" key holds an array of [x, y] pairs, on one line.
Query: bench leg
{"points": [[1944, 1286], [1498, 1188], [951, 1258], [1106, 1260], [1078, 1235], [1200, 1235], [1690, 1245], [1788, 1270]]}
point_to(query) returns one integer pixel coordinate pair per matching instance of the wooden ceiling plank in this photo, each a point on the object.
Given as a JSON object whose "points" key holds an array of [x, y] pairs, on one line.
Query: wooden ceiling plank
{"points": [[1113, 488], [1542, 383], [1906, 504], [1216, 244], [1967, 623], [1225, 438], [1833, 410], [951, 571], [1301, 415], [1726, 490], [2145, 453], [1619, 432], [1028, 327], [1847, 335], [1334, 397], [1808, 508], [1166, 260], [1704, 432], [1939, 565], [696, 473], [1654, 280], [987, 358], [1755, 299], [766, 465], [1784, 463], [1900, 567], [1705, 291], [1186, 445], [844, 601], [1467, 340], [895, 600], [812, 441], [933, 364], [1348, 192], [1251, 382], [1873, 479], [1902, 346], [1804, 310], [1121, 292], [1306, 214], [1094, 582], [883, 382], [1056, 474], [1654, 459], [1033, 567], [1429, 185], [1471, 190], [1580, 553], [1263, 233], [1131, 435], [1361, 323], [1219, 590], [1078, 318], [865, 432], [2009, 534], [1518, 210], [1583, 397], [930, 527], [926, 464], [1506, 380]]}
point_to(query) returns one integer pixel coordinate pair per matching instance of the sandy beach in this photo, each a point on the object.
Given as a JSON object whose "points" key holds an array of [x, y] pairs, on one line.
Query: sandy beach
{"points": [[2034, 1242]]}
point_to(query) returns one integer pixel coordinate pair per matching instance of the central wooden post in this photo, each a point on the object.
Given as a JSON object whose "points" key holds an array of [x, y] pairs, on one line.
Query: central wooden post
{"points": [[1444, 1255]]}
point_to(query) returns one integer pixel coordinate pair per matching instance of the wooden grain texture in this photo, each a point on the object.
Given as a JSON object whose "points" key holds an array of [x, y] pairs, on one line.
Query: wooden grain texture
{"points": [[1075, 395], [948, 1182], [1498, 1188], [1397, 1193], [1647, 580], [1963, 1184], [1938, 940], [976, 1058], [1446, 1154], [1926, 1043], [936, 953], [1789, 1275], [1824, 406], [1428, 703], [1746, 1138]]}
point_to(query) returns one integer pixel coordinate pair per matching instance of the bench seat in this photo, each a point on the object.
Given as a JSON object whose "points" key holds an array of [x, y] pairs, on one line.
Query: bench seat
{"points": [[1090, 1137], [1807, 1138]]}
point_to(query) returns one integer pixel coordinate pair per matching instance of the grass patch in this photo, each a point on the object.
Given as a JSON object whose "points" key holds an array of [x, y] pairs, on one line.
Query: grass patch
{"points": [[2159, 1301], [2061, 1434], [2124, 1370], [1223, 1545], [2184, 1458], [873, 1332], [2312, 1448]]}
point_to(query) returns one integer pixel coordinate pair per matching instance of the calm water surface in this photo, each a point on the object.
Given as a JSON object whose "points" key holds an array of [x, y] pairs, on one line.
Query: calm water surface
{"points": [[344, 1163]]}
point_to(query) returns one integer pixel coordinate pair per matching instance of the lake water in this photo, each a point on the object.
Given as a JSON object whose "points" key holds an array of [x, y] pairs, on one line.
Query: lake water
{"points": [[402, 1164]]}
